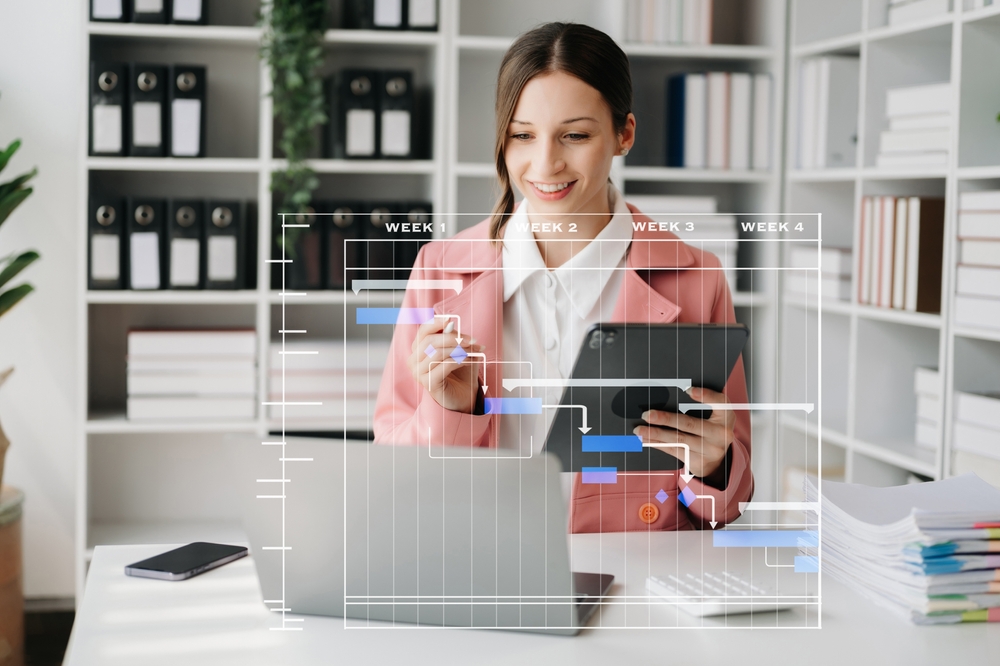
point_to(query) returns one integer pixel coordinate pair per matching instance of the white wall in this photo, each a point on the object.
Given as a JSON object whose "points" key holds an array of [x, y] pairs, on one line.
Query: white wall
{"points": [[42, 99]]}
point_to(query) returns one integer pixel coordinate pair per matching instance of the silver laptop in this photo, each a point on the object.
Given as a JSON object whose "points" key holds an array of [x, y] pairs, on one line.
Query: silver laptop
{"points": [[414, 534]]}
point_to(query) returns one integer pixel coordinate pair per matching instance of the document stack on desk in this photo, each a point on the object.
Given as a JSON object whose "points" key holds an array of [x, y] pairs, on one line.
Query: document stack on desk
{"points": [[930, 551]]}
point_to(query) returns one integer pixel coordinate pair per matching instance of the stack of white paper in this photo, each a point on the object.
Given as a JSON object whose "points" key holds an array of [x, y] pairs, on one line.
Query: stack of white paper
{"points": [[922, 550], [927, 388], [326, 384], [833, 277], [919, 133], [193, 374], [828, 112], [977, 287]]}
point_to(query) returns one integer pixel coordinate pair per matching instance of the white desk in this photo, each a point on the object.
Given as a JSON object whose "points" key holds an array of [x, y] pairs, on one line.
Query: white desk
{"points": [[219, 618]]}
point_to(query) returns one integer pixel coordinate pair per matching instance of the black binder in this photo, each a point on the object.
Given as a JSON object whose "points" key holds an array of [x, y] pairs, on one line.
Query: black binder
{"points": [[420, 14], [190, 12], [224, 248], [108, 111], [187, 110], [110, 10], [185, 224], [344, 249], [145, 228], [250, 258], [106, 265], [396, 115], [380, 234], [147, 110], [150, 11], [306, 252], [353, 126], [416, 229], [375, 14]]}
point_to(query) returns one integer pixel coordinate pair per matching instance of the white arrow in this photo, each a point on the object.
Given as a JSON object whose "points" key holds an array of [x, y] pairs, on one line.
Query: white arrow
{"points": [[806, 407], [448, 329], [686, 474], [509, 384], [484, 368], [712, 522], [530, 371], [454, 285], [584, 429]]}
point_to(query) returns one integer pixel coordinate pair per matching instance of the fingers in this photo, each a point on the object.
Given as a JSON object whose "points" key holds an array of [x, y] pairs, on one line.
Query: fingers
{"points": [[725, 417]]}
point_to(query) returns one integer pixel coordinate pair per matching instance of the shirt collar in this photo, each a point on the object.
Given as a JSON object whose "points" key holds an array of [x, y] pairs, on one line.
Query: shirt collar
{"points": [[599, 259]]}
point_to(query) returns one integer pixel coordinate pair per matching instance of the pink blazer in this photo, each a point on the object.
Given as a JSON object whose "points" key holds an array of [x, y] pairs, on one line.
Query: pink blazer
{"points": [[658, 287]]}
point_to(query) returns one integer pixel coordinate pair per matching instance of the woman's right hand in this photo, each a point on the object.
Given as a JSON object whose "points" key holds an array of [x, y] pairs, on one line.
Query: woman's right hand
{"points": [[453, 385]]}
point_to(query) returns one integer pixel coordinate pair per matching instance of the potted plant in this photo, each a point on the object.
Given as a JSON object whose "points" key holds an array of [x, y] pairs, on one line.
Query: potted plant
{"points": [[12, 194]]}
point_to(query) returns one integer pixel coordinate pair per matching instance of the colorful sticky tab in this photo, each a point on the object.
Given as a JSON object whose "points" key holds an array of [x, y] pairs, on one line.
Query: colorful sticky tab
{"points": [[764, 538], [611, 444], [686, 496], [600, 474], [395, 315], [513, 406]]}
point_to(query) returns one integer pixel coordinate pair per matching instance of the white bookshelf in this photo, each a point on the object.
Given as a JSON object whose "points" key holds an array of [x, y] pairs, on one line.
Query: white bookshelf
{"points": [[869, 353], [141, 482]]}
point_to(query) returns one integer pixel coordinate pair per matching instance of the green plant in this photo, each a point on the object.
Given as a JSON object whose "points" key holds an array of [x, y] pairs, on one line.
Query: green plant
{"points": [[293, 49], [12, 194]]}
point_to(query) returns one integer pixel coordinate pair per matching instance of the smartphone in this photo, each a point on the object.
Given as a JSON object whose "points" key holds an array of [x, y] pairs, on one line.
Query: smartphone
{"points": [[186, 561]]}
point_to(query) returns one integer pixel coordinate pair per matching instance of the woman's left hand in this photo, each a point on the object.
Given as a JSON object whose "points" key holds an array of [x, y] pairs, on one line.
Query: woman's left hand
{"points": [[707, 439]]}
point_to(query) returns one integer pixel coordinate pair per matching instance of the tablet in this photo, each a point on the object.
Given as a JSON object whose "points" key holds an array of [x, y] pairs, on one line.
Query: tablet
{"points": [[624, 369]]}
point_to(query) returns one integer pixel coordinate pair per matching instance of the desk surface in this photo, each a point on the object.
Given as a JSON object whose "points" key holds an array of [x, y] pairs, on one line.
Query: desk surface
{"points": [[219, 618]]}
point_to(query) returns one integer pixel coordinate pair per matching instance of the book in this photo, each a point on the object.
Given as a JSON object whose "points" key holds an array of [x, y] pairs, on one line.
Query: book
{"points": [[740, 119], [833, 261], [976, 439], [915, 10], [924, 254], [922, 121], [974, 311], [899, 255], [979, 253], [808, 113], [837, 109], [177, 342], [142, 408], [918, 100], [978, 409], [978, 281], [761, 141], [988, 200], [866, 238], [921, 159], [927, 434], [978, 224], [927, 381], [192, 383], [329, 355], [887, 231], [717, 123], [914, 141]]}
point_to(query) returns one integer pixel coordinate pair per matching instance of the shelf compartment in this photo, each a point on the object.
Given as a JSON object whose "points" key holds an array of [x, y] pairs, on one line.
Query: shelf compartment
{"points": [[366, 166], [903, 173], [385, 38], [921, 319], [888, 354], [177, 297], [976, 333], [849, 44], [822, 175], [680, 174], [699, 51], [818, 21], [979, 101], [883, 31], [332, 297], [903, 455], [192, 164]]}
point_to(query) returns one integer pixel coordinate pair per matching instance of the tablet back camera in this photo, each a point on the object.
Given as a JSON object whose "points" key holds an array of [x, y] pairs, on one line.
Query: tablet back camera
{"points": [[602, 338]]}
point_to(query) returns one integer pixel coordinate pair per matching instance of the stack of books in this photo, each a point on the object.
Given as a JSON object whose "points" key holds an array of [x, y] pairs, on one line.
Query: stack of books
{"points": [[976, 434], [705, 230], [977, 287], [921, 550], [199, 375], [905, 11], [901, 254], [834, 272], [919, 133], [927, 388], [719, 120], [668, 21], [828, 112], [325, 384]]}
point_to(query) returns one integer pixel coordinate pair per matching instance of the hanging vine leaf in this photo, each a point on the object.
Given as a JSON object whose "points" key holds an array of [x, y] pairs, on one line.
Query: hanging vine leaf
{"points": [[293, 49]]}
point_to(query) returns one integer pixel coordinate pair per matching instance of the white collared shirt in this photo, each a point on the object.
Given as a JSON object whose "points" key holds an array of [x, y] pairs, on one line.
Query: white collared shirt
{"points": [[546, 312]]}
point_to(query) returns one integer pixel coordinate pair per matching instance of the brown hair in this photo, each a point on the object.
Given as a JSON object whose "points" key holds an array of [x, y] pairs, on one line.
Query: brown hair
{"points": [[579, 50]]}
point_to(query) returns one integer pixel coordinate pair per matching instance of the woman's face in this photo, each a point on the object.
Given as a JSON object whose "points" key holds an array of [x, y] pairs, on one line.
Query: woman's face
{"points": [[560, 143]]}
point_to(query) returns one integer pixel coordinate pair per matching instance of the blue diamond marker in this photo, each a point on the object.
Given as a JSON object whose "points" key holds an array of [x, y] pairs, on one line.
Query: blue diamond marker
{"points": [[459, 354], [686, 496], [430, 351], [661, 496]]}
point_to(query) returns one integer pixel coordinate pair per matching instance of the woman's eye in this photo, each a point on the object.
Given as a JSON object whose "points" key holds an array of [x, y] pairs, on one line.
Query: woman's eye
{"points": [[521, 137], [576, 136]]}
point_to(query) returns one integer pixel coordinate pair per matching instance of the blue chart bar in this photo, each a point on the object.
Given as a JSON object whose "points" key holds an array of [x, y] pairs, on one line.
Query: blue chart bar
{"points": [[600, 474], [395, 315], [513, 405], [806, 564], [764, 538], [612, 444]]}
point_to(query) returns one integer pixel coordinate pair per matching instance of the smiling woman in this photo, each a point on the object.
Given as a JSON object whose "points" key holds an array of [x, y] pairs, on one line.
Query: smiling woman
{"points": [[537, 275]]}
